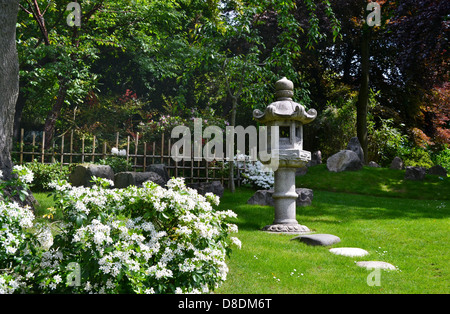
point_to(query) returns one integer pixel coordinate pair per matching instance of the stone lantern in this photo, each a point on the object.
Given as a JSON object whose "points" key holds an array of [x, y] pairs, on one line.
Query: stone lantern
{"points": [[289, 117]]}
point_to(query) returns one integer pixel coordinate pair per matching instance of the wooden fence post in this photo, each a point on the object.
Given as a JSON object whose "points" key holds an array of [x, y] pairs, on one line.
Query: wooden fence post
{"points": [[128, 147], [62, 150], [21, 146], [34, 143], [71, 147], [82, 150], [43, 148], [136, 143], [93, 149]]}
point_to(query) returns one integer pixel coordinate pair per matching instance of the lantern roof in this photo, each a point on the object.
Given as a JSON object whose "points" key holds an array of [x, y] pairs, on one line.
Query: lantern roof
{"points": [[284, 108]]}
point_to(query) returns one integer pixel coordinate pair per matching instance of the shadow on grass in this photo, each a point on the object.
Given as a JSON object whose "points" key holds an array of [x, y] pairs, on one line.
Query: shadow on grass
{"points": [[333, 207], [351, 207]]}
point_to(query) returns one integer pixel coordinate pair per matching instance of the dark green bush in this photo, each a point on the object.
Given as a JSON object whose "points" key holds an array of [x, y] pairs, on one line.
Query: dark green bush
{"points": [[46, 173], [117, 163]]}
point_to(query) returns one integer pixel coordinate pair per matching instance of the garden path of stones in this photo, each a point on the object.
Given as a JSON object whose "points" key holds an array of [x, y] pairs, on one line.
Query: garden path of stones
{"points": [[329, 239]]}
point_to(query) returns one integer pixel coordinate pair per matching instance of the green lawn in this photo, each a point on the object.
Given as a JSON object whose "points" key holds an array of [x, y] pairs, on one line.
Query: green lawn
{"points": [[407, 226], [375, 182], [409, 233]]}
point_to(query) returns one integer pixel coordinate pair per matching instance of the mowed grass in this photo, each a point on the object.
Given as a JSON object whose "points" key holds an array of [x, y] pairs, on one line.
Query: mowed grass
{"points": [[375, 182], [403, 223], [412, 234]]}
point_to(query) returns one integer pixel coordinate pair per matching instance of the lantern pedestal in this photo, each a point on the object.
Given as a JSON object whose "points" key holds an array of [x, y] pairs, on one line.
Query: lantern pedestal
{"points": [[285, 198], [289, 118]]}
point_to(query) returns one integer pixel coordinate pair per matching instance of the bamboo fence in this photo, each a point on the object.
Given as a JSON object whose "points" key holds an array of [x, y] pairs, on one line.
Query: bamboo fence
{"points": [[67, 149]]}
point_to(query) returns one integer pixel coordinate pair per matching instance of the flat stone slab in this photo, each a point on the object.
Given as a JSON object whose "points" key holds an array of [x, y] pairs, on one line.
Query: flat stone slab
{"points": [[376, 264], [318, 239], [349, 251]]}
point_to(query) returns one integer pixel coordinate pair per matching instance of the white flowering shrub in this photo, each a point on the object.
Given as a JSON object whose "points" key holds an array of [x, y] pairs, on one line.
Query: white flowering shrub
{"points": [[254, 172], [133, 240], [142, 240], [14, 243], [18, 246], [23, 177]]}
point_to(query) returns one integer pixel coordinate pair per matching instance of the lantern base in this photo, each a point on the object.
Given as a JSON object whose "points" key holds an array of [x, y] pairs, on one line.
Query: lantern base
{"points": [[287, 228]]}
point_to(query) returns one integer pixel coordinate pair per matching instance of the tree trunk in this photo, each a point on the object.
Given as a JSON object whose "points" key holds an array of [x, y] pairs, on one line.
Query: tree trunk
{"points": [[9, 81], [20, 104], [363, 97], [53, 115]]}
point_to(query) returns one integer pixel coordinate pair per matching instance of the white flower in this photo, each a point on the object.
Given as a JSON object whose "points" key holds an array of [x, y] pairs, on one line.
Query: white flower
{"points": [[232, 228], [45, 237], [81, 207], [212, 198], [236, 242], [117, 152], [57, 279], [25, 174], [176, 182]]}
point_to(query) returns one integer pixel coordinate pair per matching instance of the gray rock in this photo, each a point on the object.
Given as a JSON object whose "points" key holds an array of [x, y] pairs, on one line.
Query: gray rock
{"points": [[374, 164], [202, 188], [397, 163], [264, 197], [82, 174], [301, 171], [316, 159], [415, 173], [438, 171], [318, 239], [160, 169], [345, 160], [305, 196], [153, 177], [355, 146], [125, 179]]}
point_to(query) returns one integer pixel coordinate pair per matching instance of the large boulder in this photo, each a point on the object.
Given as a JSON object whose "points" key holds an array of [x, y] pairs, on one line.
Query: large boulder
{"points": [[160, 169], [397, 163], [345, 160], [125, 179], [415, 173], [82, 174], [264, 197], [202, 188], [437, 171], [355, 146]]}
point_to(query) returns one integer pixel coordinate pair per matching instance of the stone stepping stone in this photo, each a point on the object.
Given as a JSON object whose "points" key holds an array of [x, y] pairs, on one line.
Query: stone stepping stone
{"points": [[349, 251], [318, 239], [376, 264]]}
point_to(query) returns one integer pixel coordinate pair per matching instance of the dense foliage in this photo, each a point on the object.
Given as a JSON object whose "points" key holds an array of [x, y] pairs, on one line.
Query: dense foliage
{"points": [[144, 66]]}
